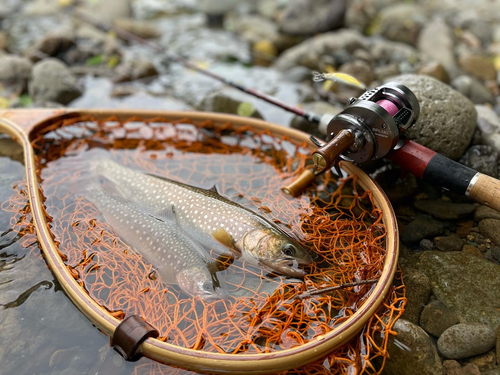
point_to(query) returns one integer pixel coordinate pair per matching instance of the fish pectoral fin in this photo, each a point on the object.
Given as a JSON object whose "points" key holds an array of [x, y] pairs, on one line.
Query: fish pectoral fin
{"points": [[224, 238]]}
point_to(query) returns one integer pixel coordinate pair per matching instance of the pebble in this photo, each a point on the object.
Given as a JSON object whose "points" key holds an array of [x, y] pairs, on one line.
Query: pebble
{"points": [[480, 67], [418, 290], [495, 253], [15, 71], [468, 285], [359, 69], [426, 244], [449, 243], [454, 368], [446, 210], [436, 42], [144, 29], [435, 70], [489, 125], [466, 340], [423, 226], [473, 89], [221, 102], [134, 70], [303, 17], [490, 228], [52, 81], [386, 52], [485, 361], [412, 352], [447, 119], [4, 41], [483, 159], [472, 250], [436, 317]]}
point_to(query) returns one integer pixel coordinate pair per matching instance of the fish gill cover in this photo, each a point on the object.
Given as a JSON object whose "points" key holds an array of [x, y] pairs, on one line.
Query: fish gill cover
{"points": [[335, 220]]}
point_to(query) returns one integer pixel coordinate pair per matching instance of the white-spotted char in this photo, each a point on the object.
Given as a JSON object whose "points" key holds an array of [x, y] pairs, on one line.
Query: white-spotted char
{"points": [[177, 258], [210, 219]]}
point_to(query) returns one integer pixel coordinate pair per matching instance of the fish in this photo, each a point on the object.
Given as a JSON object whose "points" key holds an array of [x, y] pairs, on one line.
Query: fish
{"points": [[210, 219], [177, 258]]}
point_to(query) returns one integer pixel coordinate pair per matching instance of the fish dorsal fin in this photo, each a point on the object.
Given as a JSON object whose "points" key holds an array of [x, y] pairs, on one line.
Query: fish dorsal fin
{"points": [[224, 238], [167, 213]]}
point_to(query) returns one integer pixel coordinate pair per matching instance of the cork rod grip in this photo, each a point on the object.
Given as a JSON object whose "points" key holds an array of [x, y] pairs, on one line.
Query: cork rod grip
{"points": [[486, 190]]}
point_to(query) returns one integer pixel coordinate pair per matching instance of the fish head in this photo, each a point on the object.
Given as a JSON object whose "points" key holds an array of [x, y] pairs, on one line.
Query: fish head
{"points": [[197, 281], [278, 251]]}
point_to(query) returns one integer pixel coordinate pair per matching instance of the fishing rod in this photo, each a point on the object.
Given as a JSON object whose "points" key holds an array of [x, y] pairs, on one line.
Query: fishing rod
{"points": [[370, 127]]}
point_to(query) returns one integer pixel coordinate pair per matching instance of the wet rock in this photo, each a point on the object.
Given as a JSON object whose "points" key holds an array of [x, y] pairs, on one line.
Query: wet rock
{"points": [[483, 159], [472, 250], [359, 69], [221, 102], [386, 71], [53, 82], [454, 368], [412, 352], [400, 23], [15, 72], [11, 149], [490, 228], [301, 123], [466, 340], [485, 362], [446, 210], [4, 42], [480, 67], [436, 317], [435, 70], [133, 70], [418, 290], [361, 13], [109, 11], [386, 52], [62, 357], [309, 52], [423, 226], [426, 244], [447, 119], [51, 44], [473, 89], [495, 253], [436, 42], [302, 17], [489, 125], [254, 28], [468, 285], [449, 243]]}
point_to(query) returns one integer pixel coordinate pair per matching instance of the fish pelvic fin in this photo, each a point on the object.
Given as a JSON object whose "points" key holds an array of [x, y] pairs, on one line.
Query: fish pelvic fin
{"points": [[224, 238]]}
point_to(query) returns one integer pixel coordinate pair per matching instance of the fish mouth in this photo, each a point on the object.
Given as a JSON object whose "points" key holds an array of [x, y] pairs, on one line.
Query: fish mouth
{"points": [[287, 267]]}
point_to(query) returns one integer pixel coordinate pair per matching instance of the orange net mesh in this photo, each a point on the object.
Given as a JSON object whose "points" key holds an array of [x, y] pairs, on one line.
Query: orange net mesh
{"points": [[265, 313]]}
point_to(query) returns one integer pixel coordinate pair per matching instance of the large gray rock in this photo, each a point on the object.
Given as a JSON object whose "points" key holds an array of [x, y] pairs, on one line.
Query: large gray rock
{"points": [[303, 17], [465, 340], [400, 22], [468, 285], [489, 125], [53, 82], [411, 352], [437, 42], [309, 52], [15, 71], [418, 290], [447, 119]]}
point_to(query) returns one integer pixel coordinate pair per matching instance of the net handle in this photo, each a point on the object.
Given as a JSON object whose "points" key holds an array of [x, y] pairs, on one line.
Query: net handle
{"points": [[22, 126]]}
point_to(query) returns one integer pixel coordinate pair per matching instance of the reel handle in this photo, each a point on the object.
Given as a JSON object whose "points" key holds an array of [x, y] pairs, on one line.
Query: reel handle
{"points": [[440, 170]]}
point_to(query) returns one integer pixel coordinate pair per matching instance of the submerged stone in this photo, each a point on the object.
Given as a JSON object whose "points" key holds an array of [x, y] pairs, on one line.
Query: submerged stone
{"points": [[466, 340]]}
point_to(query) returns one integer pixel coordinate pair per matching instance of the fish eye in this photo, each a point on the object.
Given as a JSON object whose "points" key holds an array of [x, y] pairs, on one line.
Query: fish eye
{"points": [[208, 286], [289, 250]]}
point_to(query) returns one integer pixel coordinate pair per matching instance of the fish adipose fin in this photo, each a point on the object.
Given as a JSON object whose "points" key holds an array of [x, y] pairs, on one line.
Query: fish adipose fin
{"points": [[213, 189], [224, 238]]}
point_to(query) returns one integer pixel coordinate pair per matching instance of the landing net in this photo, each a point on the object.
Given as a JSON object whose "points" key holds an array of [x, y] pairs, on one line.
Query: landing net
{"points": [[336, 220]]}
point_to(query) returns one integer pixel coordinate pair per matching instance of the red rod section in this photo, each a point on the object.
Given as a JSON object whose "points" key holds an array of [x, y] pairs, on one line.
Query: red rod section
{"points": [[413, 157]]}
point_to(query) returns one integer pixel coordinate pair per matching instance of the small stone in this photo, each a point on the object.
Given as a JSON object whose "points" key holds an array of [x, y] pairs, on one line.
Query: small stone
{"points": [[449, 243], [472, 250], [483, 159], [473, 89], [479, 66], [466, 340], [485, 212], [436, 317], [464, 228], [447, 120], [11, 149], [412, 352], [489, 125], [423, 226], [61, 359], [495, 253], [360, 70], [400, 23], [446, 210], [264, 51], [221, 102], [435, 70], [490, 228], [302, 17], [52, 81], [418, 290], [485, 362], [426, 244], [108, 11], [15, 71], [51, 44], [144, 29], [131, 71], [453, 368], [4, 42]]}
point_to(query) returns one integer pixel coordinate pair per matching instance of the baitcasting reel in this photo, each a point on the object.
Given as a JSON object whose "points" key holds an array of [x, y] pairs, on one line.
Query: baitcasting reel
{"points": [[368, 128]]}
